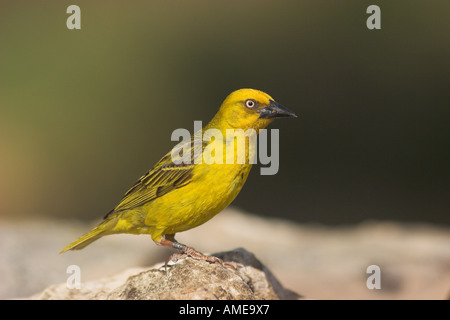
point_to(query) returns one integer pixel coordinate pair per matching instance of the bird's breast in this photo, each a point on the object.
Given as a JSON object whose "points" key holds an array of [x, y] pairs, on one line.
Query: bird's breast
{"points": [[213, 186]]}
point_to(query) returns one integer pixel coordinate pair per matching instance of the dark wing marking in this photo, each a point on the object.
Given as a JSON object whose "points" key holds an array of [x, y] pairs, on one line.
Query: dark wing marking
{"points": [[165, 176]]}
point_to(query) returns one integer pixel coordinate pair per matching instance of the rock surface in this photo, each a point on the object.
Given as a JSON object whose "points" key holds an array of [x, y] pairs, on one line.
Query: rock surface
{"points": [[187, 279], [317, 261]]}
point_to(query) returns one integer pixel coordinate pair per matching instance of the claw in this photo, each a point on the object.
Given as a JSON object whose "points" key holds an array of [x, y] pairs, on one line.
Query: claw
{"points": [[232, 264], [170, 241], [191, 252]]}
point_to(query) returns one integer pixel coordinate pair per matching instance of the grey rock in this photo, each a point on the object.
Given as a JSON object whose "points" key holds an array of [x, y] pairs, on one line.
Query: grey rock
{"points": [[187, 279]]}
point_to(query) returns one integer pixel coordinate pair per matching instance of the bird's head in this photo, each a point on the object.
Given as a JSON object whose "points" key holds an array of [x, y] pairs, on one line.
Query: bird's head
{"points": [[249, 108]]}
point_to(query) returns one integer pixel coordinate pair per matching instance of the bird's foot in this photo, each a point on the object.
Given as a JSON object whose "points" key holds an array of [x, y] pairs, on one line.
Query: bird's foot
{"points": [[191, 252], [169, 241]]}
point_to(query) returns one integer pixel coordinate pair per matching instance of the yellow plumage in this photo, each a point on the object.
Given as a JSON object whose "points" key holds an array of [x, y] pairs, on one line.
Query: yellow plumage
{"points": [[173, 197]]}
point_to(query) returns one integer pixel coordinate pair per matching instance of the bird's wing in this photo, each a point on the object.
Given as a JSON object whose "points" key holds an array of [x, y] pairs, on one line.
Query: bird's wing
{"points": [[167, 175]]}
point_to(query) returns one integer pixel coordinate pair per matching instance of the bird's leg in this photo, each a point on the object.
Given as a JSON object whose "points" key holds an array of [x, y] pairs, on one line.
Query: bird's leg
{"points": [[169, 241]]}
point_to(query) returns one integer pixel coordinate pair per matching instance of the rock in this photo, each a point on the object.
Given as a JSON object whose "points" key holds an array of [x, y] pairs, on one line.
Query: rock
{"points": [[320, 262], [248, 259], [187, 279]]}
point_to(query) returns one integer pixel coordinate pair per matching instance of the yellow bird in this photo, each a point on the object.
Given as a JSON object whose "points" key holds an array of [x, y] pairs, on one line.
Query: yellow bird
{"points": [[176, 196]]}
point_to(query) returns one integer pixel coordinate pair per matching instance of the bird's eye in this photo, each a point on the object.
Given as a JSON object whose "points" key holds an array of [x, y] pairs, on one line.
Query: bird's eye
{"points": [[250, 103]]}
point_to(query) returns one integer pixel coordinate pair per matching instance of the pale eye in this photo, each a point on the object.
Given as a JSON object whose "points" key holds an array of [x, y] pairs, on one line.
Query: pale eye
{"points": [[250, 103]]}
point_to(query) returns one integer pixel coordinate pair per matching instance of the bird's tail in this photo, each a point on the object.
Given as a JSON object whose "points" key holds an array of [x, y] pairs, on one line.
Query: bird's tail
{"points": [[101, 230]]}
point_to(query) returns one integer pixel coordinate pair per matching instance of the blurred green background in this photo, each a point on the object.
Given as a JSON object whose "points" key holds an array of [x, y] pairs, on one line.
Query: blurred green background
{"points": [[84, 113]]}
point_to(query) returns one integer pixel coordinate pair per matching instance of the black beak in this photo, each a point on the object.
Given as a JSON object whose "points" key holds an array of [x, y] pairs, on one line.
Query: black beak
{"points": [[275, 110]]}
